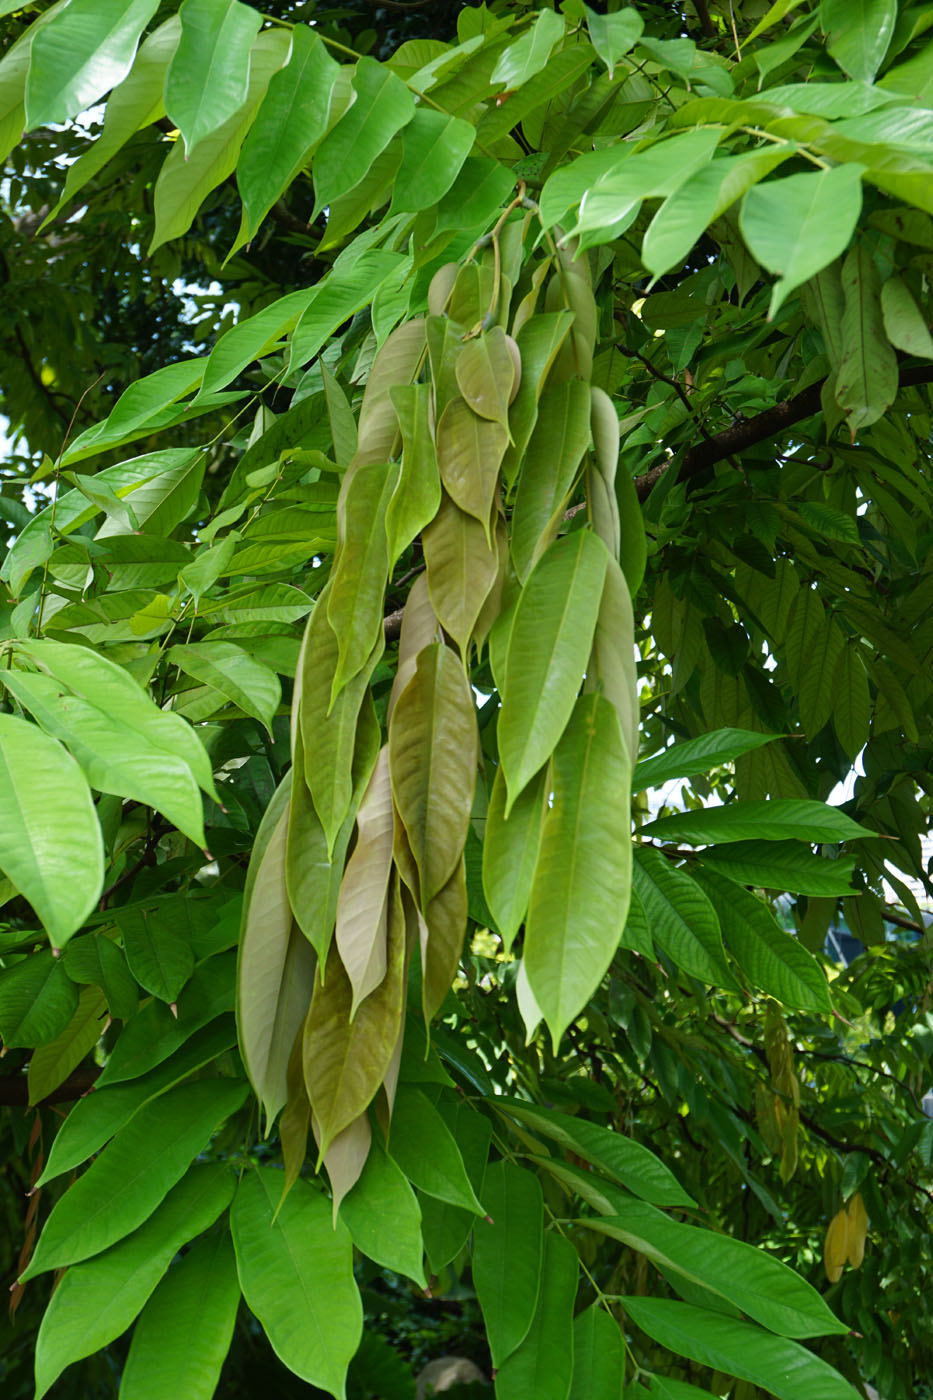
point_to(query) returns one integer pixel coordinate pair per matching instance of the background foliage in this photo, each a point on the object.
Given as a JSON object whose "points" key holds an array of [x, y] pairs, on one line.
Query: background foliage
{"points": [[710, 223]]}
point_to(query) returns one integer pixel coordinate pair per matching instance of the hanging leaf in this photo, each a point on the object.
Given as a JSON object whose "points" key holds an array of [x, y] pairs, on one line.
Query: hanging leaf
{"points": [[543, 1363], [357, 583], [417, 495], [208, 76], [382, 1215], [296, 1272], [508, 1253], [462, 569], [867, 379], [96, 1301], [432, 757], [469, 451], [52, 852], [612, 669], [858, 35], [363, 903], [486, 375], [613, 35], [598, 1356], [560, 438], [442, 931], [83, 52], [510, 852], [548, 649], [51, 1064], [434, 147], [529, 54], [904, 324], [427, 1153], [183, 1334], [579, 893], [682, 921], [383, 105]]}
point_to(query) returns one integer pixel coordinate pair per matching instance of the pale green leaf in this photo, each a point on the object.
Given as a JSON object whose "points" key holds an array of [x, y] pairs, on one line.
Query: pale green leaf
{"points": [[356, 588], [434, 147], [363, 903], [208, 77], [50, 841], [382, 106], [334, 300], [510, 852], [858, 33], [560, 437], [83, 52], [613, 35], [529, 54], [417, 496], [239, 677]]}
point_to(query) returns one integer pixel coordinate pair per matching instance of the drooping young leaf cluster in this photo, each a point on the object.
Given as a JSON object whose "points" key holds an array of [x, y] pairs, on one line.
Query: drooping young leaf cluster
{"points": [[595, 417]]}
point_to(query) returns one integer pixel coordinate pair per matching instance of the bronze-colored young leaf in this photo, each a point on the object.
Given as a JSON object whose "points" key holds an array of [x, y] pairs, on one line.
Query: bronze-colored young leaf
{"points": [[469, 451], [362, 907], [604, 508], [396, 362], [419, 629], [560, 438], [442, 932], [356, 591], [486, 375], [346, 1157], [462, 569], [432, 758], [538, 340], [418, 494], [295, 1120]]}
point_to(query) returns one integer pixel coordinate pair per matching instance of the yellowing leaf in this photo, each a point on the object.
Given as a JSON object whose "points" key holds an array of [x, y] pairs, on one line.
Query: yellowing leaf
{"points": [[857, 1222], [836, 1246]]}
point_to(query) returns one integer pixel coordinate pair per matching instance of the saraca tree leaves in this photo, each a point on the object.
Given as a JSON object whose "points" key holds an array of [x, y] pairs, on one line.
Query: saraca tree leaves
{"points": [[544, 1360], [508, 1252]]}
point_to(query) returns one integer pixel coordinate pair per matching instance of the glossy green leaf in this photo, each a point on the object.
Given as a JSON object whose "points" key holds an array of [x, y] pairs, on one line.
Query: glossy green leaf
{"points": [[757, 1282], [96, 1301], [424, 1148], [37, 1000], [296, 1272], [784, 1368], [133, 1174], [334, 300], [275, 972], [159, 957], [613, 35], [693, 756], [508, 1253], [94, 1119], [510, 852], [782, 865], [867, 379], [543, 1364], [183, 1334], [239, 677], [548, 649], [50, 841], [560, 438], [447, 1228], [598, 1356], [529, 54], [51, 1064], [434, 147], [382, 1215], [87, 49], [579, 893], [293, 117], [208, 77], [772, 960], [432, 758], [418, 493], [858, 34], [797, 225], [682, 921], [97, 961], [612, 670], [624, 1159], [382, 107], [767, 821]]}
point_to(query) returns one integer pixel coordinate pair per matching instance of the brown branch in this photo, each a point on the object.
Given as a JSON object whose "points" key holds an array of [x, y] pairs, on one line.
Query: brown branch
{"points": [[14, 1088], [705, 18]]}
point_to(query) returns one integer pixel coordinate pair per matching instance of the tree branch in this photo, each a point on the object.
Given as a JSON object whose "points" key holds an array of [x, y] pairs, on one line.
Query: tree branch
{"points": [[14, 1088], [706, 21]]}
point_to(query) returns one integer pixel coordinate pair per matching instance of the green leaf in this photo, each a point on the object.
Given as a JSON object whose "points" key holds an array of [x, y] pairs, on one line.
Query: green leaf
{"points": [[613, 35], [681, 919], [547, 654], [252, 338], [781, 1367], [612, 670], [208, 77], [357, 583], [96, 1301], [432, 757], [797, 225], [866, 383], [51, 1064], [814, 645], [426, 1151], [183, 1333], [765, 821], [782, 865], [382, 1214], [86, 49], [37, 1000], [447, 1228], [133, 1174], [695, 756], [334, 300], [508, 1253], [50, 841], [469, 452], [757, 1282], [363, 903], [382, 107], [773, 961], [624, 1159], [598, 1356], [239, 677], [461, 567], [139, 407], [560, 437], [434, 147], [417, 495], [296, 1272], [275, 972], [858, 34], [510, 852], [852, 703], [579, 893], [97, 961], [293, 117], [160, 958], [529, 54], [543, 1365], [94, 1119], [904, 324]]}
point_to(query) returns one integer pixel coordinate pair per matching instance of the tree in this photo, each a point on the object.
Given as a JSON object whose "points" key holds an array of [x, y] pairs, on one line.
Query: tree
{"points": [[576, 405]]}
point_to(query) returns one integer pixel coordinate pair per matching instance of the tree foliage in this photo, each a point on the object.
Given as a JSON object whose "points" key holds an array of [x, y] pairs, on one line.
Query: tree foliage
{"points": [[448, 725]]}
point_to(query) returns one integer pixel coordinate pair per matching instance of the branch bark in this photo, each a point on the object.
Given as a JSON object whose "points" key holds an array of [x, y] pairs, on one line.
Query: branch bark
{"points": [[14, 1090]]}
